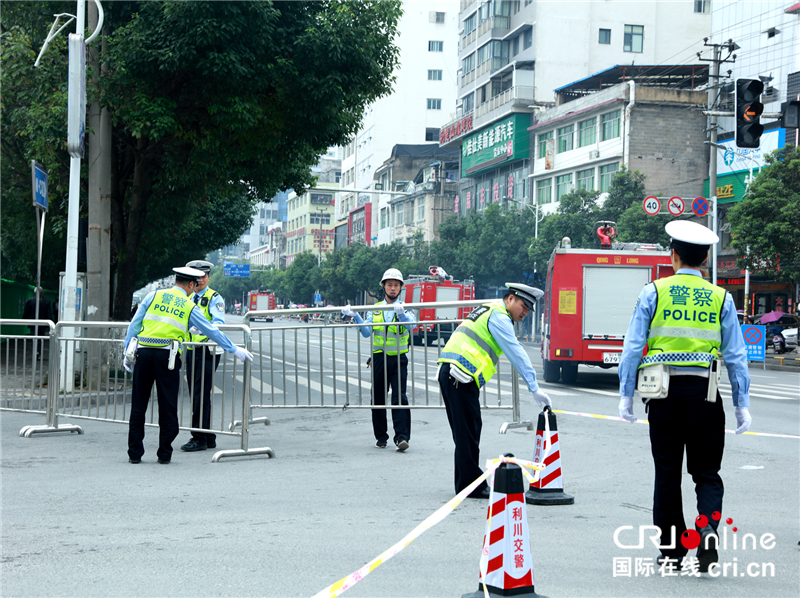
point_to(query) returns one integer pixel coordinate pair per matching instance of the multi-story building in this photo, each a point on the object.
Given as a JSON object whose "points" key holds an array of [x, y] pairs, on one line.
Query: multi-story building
{"points": [[423, 99], [310, 223], [272, 253]]}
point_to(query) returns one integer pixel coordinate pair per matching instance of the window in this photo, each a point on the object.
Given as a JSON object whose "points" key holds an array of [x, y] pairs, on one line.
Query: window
{"points": [[421, 208], [605, 36], [606, 172], [470, 24], [515, 46], [338, 176], [431, 134], [563, 185], [399, 216], [383, 218], [527, 39], [317, 218], [634, 38], [467, 104], [434, 104], [702, 6], [587, 132], [544, 191], [543, 143], [586, 179], [610, 125], [565, 138], [468, 64], [434, 75], [438, 46], [438, 17]]}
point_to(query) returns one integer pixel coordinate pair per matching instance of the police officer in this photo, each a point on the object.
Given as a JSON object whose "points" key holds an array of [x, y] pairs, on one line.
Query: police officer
{"points": [[686, 323], [153, 346], [469, 360], [202, 362], [389, 349]]}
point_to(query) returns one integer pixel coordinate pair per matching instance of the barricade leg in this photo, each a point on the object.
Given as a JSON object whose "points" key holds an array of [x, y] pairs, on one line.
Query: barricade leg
{"points": [[515, 414]]}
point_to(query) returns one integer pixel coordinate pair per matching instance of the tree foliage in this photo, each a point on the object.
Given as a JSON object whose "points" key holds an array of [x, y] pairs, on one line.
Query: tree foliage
{"points": [[767, 221]]}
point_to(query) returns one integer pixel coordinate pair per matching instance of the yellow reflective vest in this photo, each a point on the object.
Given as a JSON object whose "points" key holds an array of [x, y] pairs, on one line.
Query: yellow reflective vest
{"points": [[472, 348], [392, 339], [686, 329], [166, 319]]}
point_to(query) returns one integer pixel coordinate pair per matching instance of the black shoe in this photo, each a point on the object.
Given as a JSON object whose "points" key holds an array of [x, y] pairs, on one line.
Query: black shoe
{"points": [[211, 443], [164, 461], [669, 563], [402, 446], [380, 444], [707, 551], [195, 445], [134, 461], [484, 494]]}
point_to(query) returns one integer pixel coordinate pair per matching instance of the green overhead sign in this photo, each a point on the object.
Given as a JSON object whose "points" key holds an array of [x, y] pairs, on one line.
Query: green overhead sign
{"points": [[492, 146]]}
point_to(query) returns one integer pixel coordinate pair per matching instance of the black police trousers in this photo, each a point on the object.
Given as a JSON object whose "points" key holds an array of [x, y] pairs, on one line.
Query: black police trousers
{"points": [[685, 422], [151, 366], [462, 403], [201, 363], [384, 376]]}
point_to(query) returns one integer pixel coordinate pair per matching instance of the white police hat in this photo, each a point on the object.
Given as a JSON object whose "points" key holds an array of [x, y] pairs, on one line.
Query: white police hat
{"points": [[200, 265], [691, 233], [528, 294], [188, 274]]}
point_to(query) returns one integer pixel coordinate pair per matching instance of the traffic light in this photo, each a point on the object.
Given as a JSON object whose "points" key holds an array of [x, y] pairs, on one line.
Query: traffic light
{"points": [[748, 111], [790, 114]]}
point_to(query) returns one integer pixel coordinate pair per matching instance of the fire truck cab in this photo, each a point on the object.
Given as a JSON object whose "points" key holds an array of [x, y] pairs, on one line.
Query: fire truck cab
{"points": [[430, 288], [589, 298]]}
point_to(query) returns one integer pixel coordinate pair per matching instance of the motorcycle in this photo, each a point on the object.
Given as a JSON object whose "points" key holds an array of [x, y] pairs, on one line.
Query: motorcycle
{"points": [[778, 343]]}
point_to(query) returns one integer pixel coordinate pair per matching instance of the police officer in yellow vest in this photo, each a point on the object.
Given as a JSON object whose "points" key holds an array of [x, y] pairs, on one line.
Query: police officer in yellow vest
{"points": [[202, 362], [153, 346], [686, 323], [389, 360], [469, 360]]}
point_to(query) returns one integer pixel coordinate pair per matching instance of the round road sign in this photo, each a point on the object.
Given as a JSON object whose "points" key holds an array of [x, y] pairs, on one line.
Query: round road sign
{"points": [[676, 206], [651, 205], [700, 206]]}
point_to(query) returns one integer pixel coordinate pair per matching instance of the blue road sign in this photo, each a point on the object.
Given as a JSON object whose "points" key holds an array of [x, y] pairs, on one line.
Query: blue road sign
{"points": [[236, 270], [700, 206], [39, 185], [755, 342]]}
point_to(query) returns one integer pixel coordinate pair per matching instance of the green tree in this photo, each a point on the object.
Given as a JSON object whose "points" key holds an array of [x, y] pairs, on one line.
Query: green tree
{"points": [[299, 277], [767, 221]]}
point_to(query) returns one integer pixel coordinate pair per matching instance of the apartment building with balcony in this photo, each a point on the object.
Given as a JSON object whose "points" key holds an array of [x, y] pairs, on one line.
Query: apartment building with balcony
{"points": [[272, 252], [423, 98]]}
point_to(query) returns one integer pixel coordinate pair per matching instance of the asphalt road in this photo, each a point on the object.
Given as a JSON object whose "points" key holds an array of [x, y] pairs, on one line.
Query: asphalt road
{"points": [[78, 520]]}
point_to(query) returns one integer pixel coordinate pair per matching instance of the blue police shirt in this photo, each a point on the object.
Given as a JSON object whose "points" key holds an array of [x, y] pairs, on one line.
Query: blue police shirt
{"points": [[502, 329], [732, 348], [406, 316], [216, 307], [196, 318]]}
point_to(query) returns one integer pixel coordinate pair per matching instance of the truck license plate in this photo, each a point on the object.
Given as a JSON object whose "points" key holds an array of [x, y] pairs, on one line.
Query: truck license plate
{"points": [[611, 357]]}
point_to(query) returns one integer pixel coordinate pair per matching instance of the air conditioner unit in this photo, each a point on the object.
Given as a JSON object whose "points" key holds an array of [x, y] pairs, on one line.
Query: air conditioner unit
{"points": [[594, 154]]}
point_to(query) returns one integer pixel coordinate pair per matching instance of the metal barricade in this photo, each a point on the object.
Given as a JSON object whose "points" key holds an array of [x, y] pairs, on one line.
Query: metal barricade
{"points": [[324, 365]]}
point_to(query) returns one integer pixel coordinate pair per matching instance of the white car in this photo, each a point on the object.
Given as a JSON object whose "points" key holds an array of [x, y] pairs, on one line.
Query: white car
{"points": [[790, 334]]}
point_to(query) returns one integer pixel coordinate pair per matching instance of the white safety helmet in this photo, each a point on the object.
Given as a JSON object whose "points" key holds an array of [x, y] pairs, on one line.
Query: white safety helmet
{"points": [[392, 274]]}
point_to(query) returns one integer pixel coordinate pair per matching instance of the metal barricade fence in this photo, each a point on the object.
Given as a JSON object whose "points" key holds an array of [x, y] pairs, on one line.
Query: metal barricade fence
{"points": [[324, 365], [101, 388], [24, 368]]}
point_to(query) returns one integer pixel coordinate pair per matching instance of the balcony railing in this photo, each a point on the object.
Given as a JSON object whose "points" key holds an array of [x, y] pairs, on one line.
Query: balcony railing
{"points": [[483, 68], [468, 78], [466, 3], [520, 92], [469, 38], [496, 22], [498, 62]]}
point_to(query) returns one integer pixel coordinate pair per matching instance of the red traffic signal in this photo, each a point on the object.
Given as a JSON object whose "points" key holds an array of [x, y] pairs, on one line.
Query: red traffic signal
{"points": [[748, 112]]}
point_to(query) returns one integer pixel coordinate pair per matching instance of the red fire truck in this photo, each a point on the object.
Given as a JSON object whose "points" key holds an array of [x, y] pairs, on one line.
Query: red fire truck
{"points": [[260, 301], [429, 288], [589, 299]]}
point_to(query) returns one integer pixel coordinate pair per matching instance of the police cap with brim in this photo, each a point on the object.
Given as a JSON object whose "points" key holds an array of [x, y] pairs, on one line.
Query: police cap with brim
{"points": [[690, 235], [200, 265], [188, 274], [528, 294]]}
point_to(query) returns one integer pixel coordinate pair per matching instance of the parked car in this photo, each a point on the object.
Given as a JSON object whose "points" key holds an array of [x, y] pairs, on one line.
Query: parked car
{"points": [[790, 334]]}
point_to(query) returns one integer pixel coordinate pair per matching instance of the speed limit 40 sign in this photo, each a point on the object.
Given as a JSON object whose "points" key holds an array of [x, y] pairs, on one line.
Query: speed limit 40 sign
{"points": [[652, 205]]}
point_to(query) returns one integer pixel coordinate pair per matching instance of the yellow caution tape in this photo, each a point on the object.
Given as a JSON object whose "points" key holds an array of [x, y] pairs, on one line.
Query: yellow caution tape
{"points": [[348, 582]]}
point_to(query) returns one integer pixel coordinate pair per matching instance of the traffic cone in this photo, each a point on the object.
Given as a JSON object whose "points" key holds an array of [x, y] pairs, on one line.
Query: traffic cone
{"points": [[506, 558], [549, 487]]}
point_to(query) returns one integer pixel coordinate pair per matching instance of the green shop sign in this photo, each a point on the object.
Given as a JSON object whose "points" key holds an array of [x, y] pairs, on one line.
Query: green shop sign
{"points": [[730, 187], [492, 146]]}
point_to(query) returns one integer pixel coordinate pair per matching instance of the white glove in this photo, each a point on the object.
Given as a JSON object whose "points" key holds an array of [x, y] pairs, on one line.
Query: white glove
{"points": [[542, 399], [346, 311], [128, 365], [743, 419], [195, 330], [243, 354], [626, 409], [399, 309]]}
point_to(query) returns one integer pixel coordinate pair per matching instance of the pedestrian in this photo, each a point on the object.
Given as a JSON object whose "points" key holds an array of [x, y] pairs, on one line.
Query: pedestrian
{"points": [[153, 347], [686, 323], [203, 361], [469, 360], [45, 313], [389, 360]]}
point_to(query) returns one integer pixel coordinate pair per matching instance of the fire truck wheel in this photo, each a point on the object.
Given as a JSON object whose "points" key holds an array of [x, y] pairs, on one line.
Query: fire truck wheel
{"points": [[418, 340], [569, 372], [552, 371]]}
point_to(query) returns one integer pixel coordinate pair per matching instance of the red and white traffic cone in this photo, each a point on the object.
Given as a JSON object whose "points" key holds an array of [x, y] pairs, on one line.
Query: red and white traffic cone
{"points": [[549, 487], [506, 561]]}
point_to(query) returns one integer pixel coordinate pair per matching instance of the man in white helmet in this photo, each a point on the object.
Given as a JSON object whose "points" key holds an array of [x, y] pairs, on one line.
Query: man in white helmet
{"points": [[389, 360]]}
